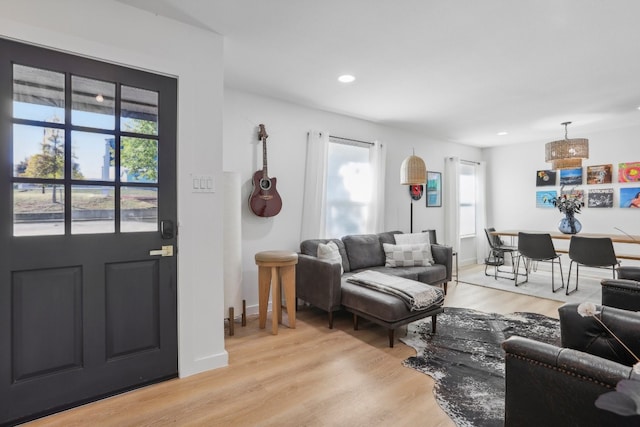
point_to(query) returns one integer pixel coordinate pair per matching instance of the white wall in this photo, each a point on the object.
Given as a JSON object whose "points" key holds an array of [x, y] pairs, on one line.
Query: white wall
{"points": [[512, 187], [111, 31], [287, 126]]}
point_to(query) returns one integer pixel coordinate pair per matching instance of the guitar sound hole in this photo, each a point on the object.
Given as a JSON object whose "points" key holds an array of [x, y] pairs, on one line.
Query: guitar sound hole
{"points": [[265, 184]]}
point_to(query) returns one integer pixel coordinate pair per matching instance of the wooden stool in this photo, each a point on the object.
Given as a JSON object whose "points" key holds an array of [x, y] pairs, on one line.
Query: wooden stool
{"points": [[277, 268]]}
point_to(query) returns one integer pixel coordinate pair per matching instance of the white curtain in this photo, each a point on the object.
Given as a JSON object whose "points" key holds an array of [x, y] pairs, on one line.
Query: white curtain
{"points": [[482, 248], [315, 188], [375, 223], [451, 202]]}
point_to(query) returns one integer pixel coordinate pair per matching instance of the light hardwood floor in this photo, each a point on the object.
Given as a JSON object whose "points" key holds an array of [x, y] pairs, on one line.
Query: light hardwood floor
{"points": [[308, 376]]}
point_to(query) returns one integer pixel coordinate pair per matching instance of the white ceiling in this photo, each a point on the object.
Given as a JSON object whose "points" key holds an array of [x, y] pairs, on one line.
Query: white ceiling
{"points": [[458, 70]]}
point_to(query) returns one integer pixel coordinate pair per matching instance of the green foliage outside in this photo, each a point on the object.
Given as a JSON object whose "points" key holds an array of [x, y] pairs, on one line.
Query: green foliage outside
{"points": [[139, 156]]}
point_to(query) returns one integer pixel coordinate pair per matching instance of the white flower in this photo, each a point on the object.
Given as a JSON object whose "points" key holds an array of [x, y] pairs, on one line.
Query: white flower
{"points": [[636, 369], [587, 309]]}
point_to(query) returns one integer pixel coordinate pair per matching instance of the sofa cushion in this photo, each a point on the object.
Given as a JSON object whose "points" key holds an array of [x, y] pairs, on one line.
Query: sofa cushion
{"points": [[413, 238], [388, 236], [310, 247], [330, 252], [411, 255], [363, 251]]}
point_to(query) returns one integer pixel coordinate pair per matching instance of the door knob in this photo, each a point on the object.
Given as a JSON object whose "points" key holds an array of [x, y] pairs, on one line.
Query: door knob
{"points": [[165, 251]]}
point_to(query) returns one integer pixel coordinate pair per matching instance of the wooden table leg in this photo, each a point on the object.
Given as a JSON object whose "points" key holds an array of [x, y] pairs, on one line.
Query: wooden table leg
{"points": [[288, 277], [264, 280]]}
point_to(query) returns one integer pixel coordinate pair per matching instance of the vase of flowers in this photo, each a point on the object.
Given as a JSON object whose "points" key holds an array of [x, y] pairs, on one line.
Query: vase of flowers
{"points": [[569, 204]]}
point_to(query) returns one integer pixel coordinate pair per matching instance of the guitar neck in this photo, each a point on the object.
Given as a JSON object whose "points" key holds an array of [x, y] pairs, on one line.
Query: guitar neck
{"points": [[265, 174]]}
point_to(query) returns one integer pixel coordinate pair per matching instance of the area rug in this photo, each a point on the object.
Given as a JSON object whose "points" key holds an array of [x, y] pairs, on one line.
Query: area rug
{"points": [[539, 284], [466, 361]]}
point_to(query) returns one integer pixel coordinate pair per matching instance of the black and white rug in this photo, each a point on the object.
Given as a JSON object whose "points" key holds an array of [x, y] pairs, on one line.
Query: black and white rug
{"points": [[466, 361]]}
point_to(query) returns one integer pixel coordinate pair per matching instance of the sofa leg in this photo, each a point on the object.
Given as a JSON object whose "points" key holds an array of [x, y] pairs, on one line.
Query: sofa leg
{"points": [[330, 319], [433, 324], [355, 322], [445, 287], [391, 338]]}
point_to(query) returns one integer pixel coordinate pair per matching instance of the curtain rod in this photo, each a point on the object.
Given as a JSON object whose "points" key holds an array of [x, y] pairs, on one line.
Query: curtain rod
{"points": [[471, 162], [351, 140]]}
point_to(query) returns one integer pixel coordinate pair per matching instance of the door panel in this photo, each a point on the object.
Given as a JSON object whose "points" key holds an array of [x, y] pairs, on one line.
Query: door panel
{"points": [[87, 173], [46, 322], [132, 307]]}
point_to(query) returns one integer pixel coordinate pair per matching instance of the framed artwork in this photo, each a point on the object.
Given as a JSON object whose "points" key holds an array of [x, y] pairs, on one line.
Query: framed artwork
{"points": [[415, 191], [600, 198], [629, 172], [571, 176], [544, 198], [545, 178], [600, 174], [630, 197], [434, 189]]}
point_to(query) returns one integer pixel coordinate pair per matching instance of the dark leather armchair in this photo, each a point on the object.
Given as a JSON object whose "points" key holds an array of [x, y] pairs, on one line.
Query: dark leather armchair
{"points": [[625, 292], [558, 386]]}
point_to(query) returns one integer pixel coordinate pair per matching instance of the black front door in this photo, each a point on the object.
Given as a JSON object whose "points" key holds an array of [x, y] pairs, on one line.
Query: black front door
{"points": [[87, 230]]}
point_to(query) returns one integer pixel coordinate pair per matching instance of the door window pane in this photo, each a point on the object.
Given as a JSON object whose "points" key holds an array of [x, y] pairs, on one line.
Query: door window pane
{"points": [[38, 209], [138, 160], [38, 152], [92, 209], [139, 110], [37, 94], [139, 209], [93, 103], [92, 156]]}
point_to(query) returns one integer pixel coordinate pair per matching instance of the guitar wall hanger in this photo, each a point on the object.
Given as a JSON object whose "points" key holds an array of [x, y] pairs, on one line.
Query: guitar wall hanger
{"points": [[264, 200]]}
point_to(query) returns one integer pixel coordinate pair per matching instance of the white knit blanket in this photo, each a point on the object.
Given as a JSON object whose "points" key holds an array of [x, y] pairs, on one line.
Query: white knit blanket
{"points": [[416, 295]]}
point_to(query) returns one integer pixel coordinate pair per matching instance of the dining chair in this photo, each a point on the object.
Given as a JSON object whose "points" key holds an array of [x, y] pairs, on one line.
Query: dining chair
{"points": [[591, 252], [537, 247], [497, 251]]}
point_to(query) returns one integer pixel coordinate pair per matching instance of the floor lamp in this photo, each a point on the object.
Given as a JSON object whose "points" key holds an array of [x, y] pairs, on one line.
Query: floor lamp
{"points": [[413, 171]]}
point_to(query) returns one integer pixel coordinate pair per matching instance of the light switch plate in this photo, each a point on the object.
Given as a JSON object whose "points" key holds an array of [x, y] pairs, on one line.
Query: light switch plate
{"points": [[202, 184]]}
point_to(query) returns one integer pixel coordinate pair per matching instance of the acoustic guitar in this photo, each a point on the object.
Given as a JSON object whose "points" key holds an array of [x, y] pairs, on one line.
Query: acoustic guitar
{"points": [[264, 200]]}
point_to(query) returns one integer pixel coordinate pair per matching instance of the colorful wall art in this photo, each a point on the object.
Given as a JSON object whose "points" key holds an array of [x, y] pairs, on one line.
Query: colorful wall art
{"points": [[571, 176], [600, 174], [544, 198], [546, 177], [630, 197], [434, 189], [600, 198], [629, 172]]}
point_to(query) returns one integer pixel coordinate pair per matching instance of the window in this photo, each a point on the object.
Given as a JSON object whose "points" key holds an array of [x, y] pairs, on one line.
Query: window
{"points": [[76, 142], [467, 199], [349, 187]]}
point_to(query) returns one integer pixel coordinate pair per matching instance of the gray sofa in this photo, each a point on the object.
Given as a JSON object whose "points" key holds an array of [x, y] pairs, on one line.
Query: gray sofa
{"points": [[321, 284]]}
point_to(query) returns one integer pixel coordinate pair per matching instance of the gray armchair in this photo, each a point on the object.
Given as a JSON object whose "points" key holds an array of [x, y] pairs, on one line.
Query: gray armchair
{"points": [[548, 385]]}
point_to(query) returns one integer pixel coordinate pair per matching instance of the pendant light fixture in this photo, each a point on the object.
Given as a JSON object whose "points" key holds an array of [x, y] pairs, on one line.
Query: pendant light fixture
{"points": [[566, 153], [413, 171]]}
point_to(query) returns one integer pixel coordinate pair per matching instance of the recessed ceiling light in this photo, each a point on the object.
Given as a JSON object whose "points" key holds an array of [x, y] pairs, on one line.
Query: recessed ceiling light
{"points": [[99, 98], [346, 78], [503, 133]]}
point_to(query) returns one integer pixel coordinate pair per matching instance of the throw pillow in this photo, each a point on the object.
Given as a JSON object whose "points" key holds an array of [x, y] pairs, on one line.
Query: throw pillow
{"points": [[411, 255], [330, 252], [413, 238]]}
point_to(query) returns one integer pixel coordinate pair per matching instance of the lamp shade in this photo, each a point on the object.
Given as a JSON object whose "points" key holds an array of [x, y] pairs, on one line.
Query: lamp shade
{"points": [[566, 153], [413, 171]]}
